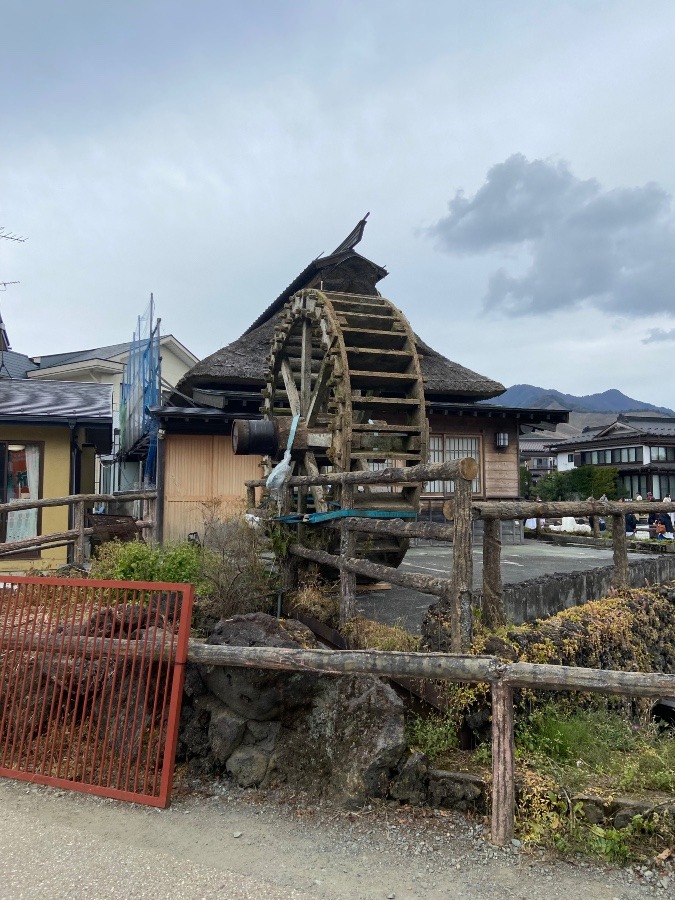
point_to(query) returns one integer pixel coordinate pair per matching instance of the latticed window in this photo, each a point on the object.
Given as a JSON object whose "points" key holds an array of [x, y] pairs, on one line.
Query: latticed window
{"points": [[443, 448]]}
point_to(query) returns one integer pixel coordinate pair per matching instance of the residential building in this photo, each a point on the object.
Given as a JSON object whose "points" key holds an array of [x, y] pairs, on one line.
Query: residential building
{"points": [[640, 447], [50, 434]]}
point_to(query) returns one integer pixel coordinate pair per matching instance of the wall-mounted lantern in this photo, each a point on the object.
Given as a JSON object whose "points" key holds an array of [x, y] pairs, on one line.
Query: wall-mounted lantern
{"points": [[502, 440]]}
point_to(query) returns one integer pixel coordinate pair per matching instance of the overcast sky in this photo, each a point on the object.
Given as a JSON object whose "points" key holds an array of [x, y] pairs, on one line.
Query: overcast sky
{"points": [[516, 159]]}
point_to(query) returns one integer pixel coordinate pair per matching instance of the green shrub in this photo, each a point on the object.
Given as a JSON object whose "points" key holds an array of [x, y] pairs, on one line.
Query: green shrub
{"points": [[135, 561], [433, 735]]}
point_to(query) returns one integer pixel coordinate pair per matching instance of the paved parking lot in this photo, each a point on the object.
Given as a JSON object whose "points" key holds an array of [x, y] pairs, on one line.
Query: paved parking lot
{"points": [[520, 562]]}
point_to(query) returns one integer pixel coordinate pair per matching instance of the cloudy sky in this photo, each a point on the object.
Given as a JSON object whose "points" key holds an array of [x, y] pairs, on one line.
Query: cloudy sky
{"points": [[516, 159]]}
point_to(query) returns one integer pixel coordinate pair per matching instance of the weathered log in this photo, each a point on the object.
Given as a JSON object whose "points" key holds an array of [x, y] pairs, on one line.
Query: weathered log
{"points": [[462, 564], [79, 547], [465, 469], [620, 574], [503, 765], [601, 681], [42, 541], [347, 551], [527, 509], [444, 666], [88, 499], [418, 582], [494, 614], [397, 527]]}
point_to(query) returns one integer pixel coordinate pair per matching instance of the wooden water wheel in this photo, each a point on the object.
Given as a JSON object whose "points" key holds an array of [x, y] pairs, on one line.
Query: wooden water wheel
{"points": [[347, 365]]}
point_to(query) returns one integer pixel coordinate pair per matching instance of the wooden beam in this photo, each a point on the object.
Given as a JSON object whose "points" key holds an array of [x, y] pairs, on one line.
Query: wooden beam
{"points": [[503, 765], [458, 468], [494, 614], [425, 583]]}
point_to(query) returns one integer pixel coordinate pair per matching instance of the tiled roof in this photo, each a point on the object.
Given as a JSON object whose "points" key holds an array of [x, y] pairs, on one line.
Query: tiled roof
{"points": [[59, 400], [638, 427], [62, 359], [15, 365]]}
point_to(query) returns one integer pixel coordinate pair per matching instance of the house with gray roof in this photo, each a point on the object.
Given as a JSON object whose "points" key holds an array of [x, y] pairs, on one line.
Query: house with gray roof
{"points": [[50, 436], [640, 447]]}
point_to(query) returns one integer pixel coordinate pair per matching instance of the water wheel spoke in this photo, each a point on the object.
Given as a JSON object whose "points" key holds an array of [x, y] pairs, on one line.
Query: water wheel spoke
{"points": [[318, 492], [305, 365], [291, 389], [320, 392]]}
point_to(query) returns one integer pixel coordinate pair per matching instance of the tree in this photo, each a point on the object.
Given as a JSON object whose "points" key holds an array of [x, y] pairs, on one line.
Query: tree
{"points": [[580, 483]]}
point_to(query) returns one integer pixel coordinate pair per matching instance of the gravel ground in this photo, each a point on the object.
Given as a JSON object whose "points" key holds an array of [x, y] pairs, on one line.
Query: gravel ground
{"points": [[232, 844]]}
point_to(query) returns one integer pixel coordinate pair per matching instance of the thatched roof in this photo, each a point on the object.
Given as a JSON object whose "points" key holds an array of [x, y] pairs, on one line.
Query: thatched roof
{"points": [[242, 363]]}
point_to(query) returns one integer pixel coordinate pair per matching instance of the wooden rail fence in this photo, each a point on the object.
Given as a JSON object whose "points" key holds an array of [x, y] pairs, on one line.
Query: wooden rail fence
{"points": [[77, 535], [461, 510], [502, 677]]}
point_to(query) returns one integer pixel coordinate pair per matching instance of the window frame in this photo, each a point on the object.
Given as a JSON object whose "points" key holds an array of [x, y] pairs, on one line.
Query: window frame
{"points": [[31, 553], [446, 487]]}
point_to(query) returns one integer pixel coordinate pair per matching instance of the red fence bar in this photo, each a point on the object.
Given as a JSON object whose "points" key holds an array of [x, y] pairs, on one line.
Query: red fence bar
{"points": [[91, 681]]}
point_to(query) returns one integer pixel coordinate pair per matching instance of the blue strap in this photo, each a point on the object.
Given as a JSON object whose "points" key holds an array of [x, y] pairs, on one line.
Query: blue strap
{"points": [[291, 433]]}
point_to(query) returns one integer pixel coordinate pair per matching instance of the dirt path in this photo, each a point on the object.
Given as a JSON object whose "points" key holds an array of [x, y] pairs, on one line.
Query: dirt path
{"points": [[56, 845]]}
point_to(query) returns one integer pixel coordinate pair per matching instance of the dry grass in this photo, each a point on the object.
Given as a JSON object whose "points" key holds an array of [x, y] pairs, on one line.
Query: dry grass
{"points": [[320, 601], [365, 634]]}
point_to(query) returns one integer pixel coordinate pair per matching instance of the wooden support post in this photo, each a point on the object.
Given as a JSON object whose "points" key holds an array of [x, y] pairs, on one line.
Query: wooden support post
{"points": [[596, 526], [503, 765], [462, 563], [289, 565], [620, 578], [79, 546], [150, 514], [493, 590], [347, 550], [250, 496]]}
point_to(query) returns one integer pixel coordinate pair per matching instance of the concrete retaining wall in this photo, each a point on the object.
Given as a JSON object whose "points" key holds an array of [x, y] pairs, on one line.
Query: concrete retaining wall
{"points": [[548, 595]]}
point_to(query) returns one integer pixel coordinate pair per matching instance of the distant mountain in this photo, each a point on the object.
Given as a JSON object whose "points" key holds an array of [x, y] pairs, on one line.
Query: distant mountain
{"points": [[611, 401]]}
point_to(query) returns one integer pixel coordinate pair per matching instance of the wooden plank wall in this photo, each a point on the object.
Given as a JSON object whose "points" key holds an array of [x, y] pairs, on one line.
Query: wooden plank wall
{"points": [[499, 468], [199, 469]]}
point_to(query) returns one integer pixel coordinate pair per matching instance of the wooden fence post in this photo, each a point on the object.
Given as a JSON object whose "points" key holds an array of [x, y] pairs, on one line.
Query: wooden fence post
{"points": [[462, 563], [503, 764], [79, 546], [347, 551], [493, 590], [620, 546]]}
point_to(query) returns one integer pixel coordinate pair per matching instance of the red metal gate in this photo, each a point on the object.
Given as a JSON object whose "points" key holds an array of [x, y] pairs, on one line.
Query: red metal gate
{"points": [[91, 682]]}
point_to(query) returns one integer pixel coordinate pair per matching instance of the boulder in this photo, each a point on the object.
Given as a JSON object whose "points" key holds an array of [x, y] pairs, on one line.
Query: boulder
{"points": [[259, 694], [456, 790], [411, 783]]}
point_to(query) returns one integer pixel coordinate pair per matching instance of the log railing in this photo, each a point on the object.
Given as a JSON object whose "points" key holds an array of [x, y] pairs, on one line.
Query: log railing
{"points": [[457, 589], [77, 536], [462, 510], [502, 677]]}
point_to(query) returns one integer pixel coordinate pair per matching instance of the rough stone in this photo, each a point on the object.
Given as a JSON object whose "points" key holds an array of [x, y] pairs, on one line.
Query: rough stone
{"points": [[226, 732], [411, 783], [260, 694], [456, 790], [248, 766], [624, 817], [348, 744], [592, 808]]}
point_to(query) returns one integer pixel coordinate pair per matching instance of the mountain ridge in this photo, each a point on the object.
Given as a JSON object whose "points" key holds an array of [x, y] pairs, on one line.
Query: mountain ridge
{"points": [[610, 401]]}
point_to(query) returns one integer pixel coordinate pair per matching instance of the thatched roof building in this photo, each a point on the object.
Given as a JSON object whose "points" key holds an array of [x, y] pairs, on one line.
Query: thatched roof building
{"points": [[241, 364]]}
